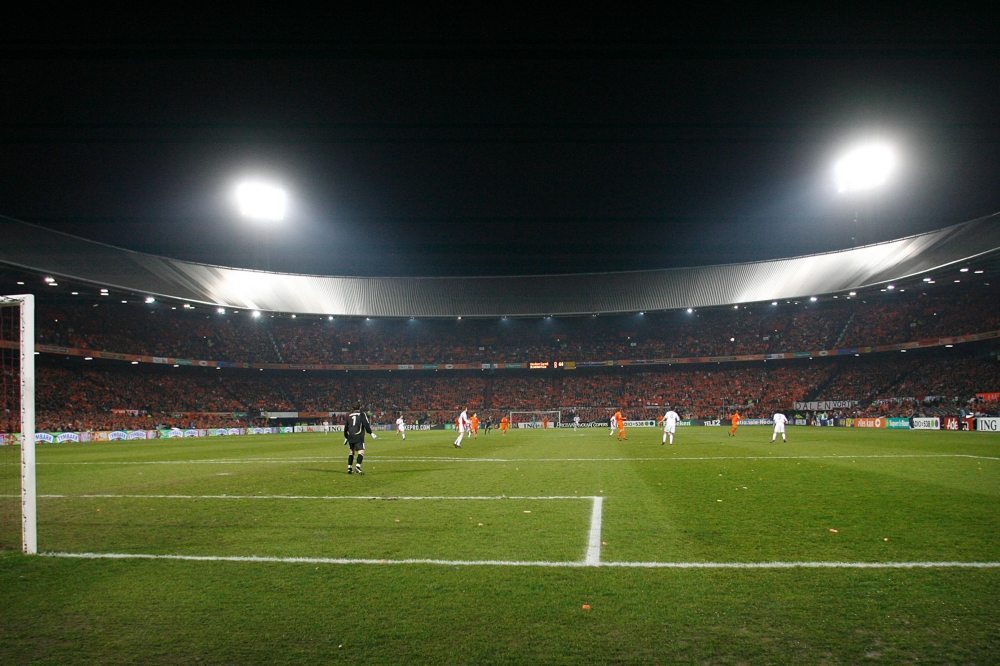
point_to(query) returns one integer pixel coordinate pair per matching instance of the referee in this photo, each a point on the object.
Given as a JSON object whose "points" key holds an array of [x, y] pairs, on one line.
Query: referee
{"points": [[356, 424]]}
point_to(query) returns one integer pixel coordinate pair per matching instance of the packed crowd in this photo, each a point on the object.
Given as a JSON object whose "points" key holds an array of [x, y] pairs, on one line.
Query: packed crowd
{"points": [[879, 318], [73, 395], [76, 395]]}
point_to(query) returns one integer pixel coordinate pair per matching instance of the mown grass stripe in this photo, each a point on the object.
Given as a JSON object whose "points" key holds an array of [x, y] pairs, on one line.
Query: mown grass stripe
{"points": [[525, 563]]}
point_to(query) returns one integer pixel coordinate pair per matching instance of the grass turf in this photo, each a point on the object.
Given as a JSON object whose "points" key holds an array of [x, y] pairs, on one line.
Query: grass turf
{"points": [[830, 495]]}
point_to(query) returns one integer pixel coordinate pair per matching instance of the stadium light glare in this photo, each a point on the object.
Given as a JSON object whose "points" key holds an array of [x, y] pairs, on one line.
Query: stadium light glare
{"points": [[150, 299], [864, 167], [261, 201], [221, 310], [256, 314]]}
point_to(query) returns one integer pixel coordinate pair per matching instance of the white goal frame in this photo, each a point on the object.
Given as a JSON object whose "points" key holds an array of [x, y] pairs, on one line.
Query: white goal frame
{"points": [[555, 416], [25, 304]]}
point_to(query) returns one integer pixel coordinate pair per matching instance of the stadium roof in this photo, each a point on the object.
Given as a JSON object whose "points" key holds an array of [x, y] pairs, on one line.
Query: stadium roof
{"points": [[41, 250]]}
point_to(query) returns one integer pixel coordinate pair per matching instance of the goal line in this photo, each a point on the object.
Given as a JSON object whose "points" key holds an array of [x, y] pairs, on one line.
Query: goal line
{"points": [[571, 564]]}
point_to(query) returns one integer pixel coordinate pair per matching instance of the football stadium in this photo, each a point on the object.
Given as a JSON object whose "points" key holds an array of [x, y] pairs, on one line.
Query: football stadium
{"points": [[189, 460], [500, 339]]}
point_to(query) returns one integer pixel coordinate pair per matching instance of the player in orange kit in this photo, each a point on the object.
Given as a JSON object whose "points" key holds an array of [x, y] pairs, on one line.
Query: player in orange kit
{"points": [[474, 422], [504, 424], [735, 419], [620, 423]]}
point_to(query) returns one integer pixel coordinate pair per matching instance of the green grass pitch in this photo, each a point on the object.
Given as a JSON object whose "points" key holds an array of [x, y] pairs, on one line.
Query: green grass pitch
{"points": [[841, 546]]}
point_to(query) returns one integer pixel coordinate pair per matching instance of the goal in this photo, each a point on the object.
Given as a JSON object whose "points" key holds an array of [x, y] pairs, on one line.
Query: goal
{"points": [[18, 507], [537, 419]]}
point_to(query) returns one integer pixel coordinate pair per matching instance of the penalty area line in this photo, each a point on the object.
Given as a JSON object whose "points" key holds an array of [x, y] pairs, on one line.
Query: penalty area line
{"points": [[593, 557], [262, 559], [388, 498]]}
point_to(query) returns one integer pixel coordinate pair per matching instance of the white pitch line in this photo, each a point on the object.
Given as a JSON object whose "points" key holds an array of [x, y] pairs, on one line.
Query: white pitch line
{"points": [[524, 563], [593, 557], [323, 497], [404, 459]]}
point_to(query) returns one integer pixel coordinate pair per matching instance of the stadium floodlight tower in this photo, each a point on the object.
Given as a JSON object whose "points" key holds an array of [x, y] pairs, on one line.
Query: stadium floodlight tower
{"points": [[265, 204], [261, 201], [863, 168]]}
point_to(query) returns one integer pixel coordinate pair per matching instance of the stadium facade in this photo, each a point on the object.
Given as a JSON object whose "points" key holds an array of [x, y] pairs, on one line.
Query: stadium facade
{"points": [[41, 250]]}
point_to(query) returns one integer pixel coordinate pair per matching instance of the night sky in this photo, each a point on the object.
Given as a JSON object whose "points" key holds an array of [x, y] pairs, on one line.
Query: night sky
{"points": [[481, 146]]}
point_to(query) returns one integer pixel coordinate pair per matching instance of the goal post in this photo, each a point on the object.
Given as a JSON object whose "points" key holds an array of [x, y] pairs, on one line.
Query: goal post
{"points": [[17, 348], [536, 419]]}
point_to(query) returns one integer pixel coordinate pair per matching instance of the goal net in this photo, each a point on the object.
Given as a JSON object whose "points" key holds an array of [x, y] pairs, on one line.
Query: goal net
{"points": [[537, 419], [17, 425]]}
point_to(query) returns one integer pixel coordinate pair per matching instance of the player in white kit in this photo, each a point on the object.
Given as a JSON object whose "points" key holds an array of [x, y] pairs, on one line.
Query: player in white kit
{"points": [[670, 420], [462, 425], [779, 426], [401, 426]]}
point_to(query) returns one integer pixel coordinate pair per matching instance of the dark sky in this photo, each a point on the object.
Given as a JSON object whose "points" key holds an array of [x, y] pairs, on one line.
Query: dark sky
{"points": [[482, 146]]}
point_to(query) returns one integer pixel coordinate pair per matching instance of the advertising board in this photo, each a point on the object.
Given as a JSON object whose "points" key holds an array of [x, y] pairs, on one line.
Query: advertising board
{"points": [[926, 423], [988, 424]]}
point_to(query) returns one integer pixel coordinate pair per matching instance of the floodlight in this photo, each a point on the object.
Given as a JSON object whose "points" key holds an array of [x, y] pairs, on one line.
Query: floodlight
{"points": [[261, 201], [864, 167]]}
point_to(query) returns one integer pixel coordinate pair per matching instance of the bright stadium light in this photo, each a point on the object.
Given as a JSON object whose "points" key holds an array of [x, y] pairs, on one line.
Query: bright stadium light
{"points": [[864, 167], [258, 200]]}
